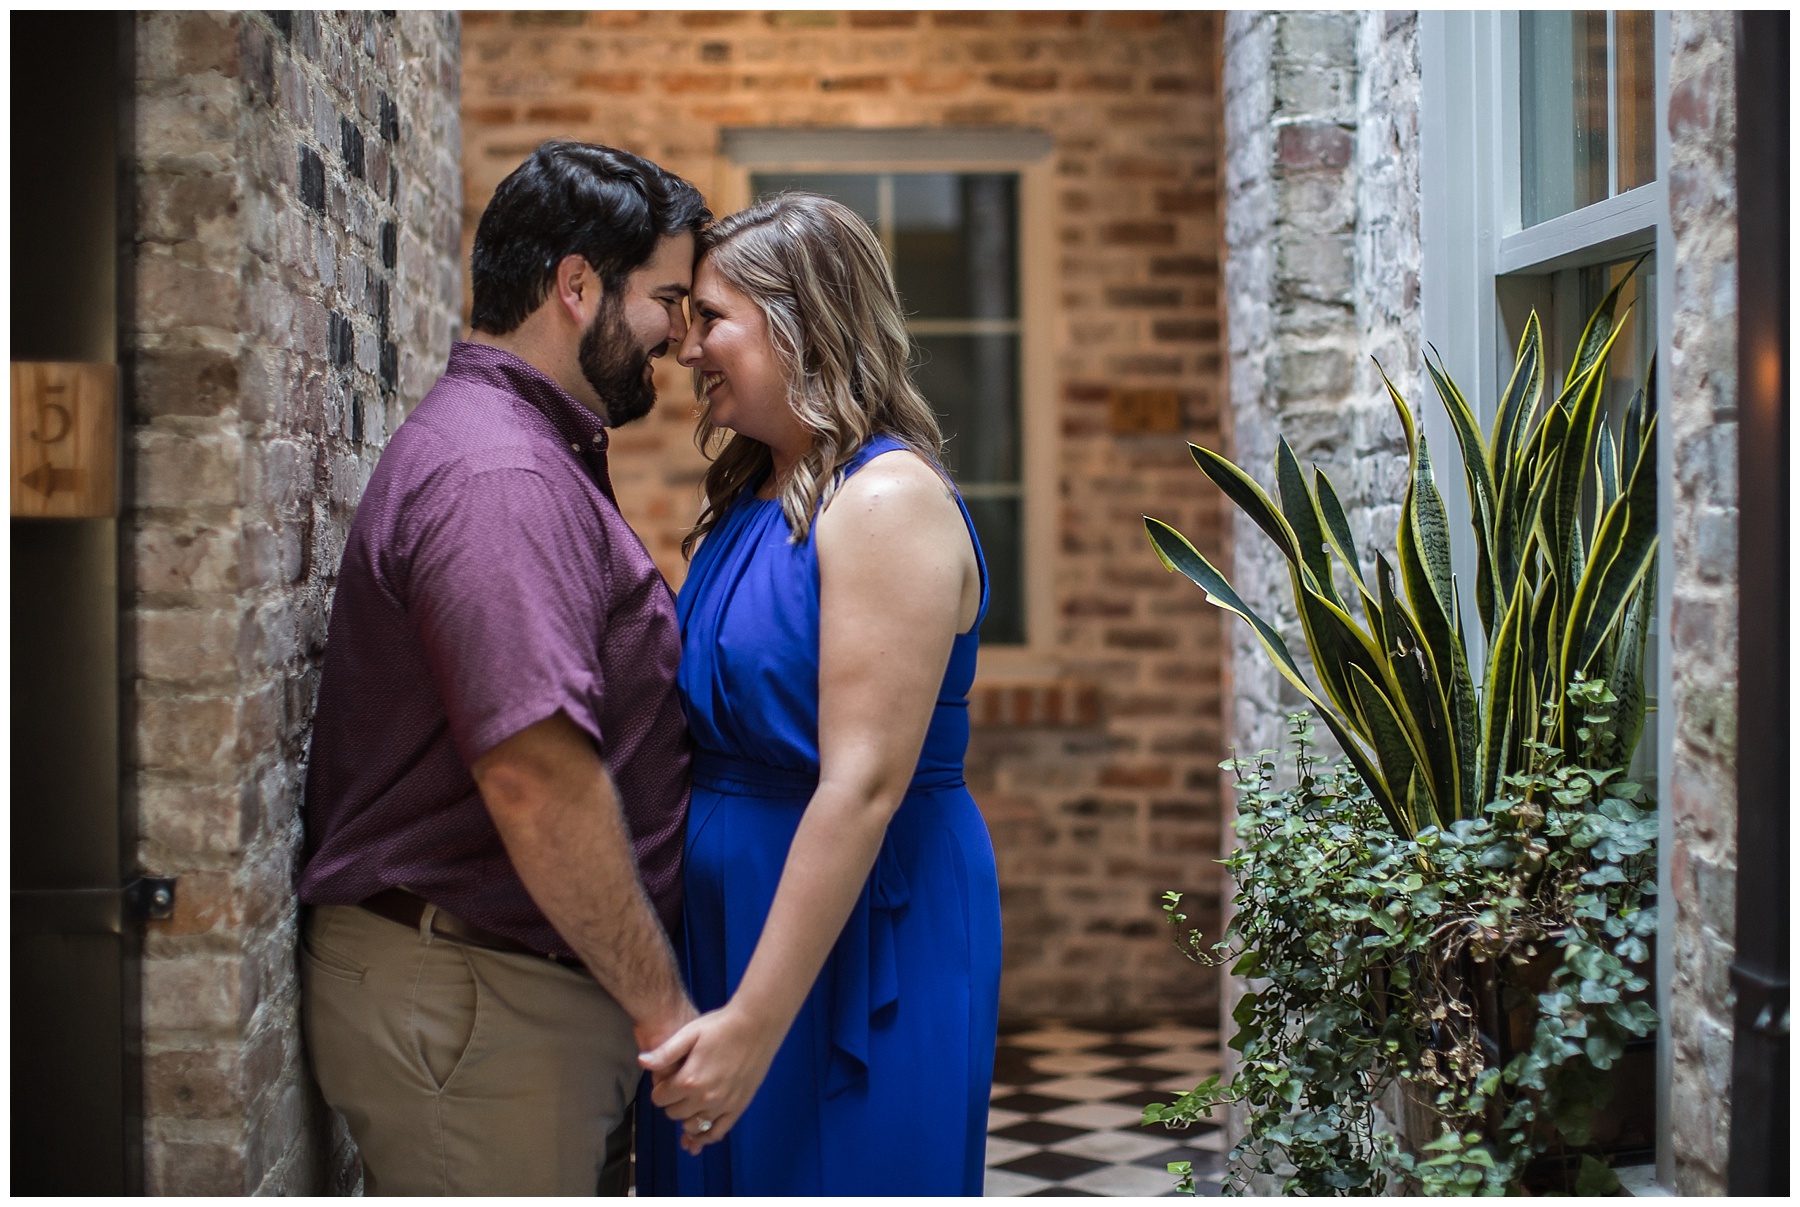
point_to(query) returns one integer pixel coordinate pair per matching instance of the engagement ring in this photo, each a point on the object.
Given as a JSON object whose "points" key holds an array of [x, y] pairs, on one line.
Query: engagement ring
{"points": [[703, 1126]]}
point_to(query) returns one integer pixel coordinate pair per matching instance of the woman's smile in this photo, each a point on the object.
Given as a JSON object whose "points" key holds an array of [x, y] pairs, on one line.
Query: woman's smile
{"points": [[740, 375]]}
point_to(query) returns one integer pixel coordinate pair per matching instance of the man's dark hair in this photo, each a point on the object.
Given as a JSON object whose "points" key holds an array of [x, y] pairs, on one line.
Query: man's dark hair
{"points": [[570, 198]]}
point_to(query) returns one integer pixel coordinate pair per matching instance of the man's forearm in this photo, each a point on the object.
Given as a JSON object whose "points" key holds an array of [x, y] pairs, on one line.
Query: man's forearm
{"points": [[575, 860], [558, 816]]}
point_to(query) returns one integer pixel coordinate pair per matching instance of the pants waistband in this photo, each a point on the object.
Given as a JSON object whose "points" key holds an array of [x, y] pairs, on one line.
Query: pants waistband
{"points": [[398, 905]]}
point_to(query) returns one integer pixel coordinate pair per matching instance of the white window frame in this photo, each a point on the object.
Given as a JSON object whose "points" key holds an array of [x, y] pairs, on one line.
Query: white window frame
{"points": [[1471, 235], [746, 151]]}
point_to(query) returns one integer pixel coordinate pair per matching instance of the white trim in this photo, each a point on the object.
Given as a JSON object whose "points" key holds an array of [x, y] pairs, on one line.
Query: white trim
{"points": [[1605, 230], [1612, 103], [1511, 171], [884, 212], [965, 326], [772, 147], [1642, 1182], [880, 152], [1665, 611], [1457, 237], [991, 490], [1040, 316]]}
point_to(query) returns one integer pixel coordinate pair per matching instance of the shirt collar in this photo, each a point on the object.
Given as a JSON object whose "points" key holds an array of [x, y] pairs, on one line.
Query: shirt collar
{"points": [[578, 427]]}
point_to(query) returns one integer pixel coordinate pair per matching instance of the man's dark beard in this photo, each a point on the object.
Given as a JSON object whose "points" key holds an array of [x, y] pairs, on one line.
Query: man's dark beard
{"points": [[613, 364]]}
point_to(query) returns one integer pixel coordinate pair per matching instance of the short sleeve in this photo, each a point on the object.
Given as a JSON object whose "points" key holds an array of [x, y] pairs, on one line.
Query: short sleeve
{"points": [[508, 590]]}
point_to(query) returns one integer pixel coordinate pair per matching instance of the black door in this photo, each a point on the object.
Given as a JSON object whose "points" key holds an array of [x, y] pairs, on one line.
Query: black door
{"points": [[75, 1118]]}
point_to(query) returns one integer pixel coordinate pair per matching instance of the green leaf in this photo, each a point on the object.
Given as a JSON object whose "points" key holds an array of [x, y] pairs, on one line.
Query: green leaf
{"points": [[1388, 736], [1630, 439], [1599, 333], [1478, 470], [1623, 550], [1572, 456], [1178, 554], [1606, 469], [1425, 570], [1532, 524], [1421, 704], [1302, 514], [1501, 689], [1337, 643], [1251, 499], [1626, 677], [1431, 536], [1337, 525], [1595, 1178], [1512, 472]]}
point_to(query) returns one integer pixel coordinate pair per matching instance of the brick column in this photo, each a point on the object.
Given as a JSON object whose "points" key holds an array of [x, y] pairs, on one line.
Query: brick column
{"points": [[1701, 554], [296, 290], [1290, 227], [1321, 273]]}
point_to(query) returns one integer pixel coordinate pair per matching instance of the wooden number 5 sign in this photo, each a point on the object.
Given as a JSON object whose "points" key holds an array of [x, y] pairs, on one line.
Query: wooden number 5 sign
{"points": [[64, 439]]}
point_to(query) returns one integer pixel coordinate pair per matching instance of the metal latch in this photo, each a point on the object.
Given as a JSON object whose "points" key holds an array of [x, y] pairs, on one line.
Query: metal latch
{"points": [[151, 898], [92, 911]]}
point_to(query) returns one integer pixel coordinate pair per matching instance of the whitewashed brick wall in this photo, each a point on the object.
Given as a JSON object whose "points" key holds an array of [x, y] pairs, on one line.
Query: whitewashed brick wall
{"points": [[296, 290]]}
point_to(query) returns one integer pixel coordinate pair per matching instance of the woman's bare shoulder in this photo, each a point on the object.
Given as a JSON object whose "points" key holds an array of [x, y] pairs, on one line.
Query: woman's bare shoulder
{"points": [[896, 488], [893, 541]]}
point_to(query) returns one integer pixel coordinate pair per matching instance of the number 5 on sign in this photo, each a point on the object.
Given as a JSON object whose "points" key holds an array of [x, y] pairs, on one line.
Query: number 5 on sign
{"points": [[64, 439]]}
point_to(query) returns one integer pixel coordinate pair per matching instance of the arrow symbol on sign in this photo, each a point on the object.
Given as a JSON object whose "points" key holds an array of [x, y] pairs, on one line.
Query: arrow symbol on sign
{"points": [[48, 480]]}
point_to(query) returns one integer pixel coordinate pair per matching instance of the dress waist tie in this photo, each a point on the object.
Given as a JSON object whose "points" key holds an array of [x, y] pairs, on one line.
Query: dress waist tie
{"points": [[862, 974]]}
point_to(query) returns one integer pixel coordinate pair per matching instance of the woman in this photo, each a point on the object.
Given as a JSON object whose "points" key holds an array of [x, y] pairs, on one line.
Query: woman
{"points": [[842, 912]]}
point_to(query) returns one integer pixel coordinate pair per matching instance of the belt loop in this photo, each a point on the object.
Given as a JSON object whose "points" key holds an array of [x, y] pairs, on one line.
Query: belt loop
{"points": [[425, 920]]}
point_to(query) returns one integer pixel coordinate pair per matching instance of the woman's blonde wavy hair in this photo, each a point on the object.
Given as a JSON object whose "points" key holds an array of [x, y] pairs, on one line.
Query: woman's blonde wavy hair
{"points": [[820, 277]]}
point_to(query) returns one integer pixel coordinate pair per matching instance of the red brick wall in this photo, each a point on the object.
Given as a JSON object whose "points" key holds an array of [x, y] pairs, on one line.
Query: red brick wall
{"points": [[1102, 790]]}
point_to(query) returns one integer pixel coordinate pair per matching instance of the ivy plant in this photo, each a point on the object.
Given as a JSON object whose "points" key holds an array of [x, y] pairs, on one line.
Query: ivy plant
{"points": [[1362, 945]]}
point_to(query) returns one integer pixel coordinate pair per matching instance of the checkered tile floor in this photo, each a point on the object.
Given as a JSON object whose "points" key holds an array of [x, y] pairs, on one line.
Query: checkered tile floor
{"points": [[1068, 1100]]}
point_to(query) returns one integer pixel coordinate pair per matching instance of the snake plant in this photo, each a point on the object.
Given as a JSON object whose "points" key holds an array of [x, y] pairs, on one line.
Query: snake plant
{"points": [[1564, 515]]}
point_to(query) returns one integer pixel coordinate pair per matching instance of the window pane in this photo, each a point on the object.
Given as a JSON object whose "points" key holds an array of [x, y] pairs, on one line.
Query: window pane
{"points": [[954, 242], [860, 192], [1562, 113], [1625, 369], [954, 245], [998, 528], [973, 384], [1625, 373], [1635, 56]]}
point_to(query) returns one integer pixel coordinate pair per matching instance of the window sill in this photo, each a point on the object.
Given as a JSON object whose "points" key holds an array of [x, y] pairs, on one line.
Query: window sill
{"points": [[1606, 229], [1016, 664], [1639, 1181]]}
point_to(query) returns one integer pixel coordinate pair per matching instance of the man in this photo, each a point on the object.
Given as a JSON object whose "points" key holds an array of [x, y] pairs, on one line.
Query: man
{"points": [[499, 752]]}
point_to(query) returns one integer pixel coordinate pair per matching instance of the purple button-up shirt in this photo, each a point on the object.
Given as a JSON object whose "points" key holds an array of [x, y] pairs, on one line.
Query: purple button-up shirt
{"points": [[489, 582]]}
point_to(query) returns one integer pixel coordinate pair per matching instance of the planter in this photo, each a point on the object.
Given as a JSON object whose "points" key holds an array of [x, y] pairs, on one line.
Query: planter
{"points": [[1622, 1131]]}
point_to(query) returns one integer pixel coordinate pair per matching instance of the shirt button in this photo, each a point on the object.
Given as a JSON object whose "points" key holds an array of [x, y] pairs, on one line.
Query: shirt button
{"points": [[574, 448]]}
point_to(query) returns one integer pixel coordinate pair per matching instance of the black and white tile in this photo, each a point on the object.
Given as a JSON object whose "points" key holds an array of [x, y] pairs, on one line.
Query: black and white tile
{"points": [[1068, 1101]]}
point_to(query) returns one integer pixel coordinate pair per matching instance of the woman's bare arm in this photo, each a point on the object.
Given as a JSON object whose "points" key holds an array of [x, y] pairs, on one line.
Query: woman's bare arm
{"points": [[897, 582]]}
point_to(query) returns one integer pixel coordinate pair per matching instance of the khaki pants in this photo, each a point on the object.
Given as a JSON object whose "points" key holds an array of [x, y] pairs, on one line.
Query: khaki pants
{"points": [[463, 1070]]}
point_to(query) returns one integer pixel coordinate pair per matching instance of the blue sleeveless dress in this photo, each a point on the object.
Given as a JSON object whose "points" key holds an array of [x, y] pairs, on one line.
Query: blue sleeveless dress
{"points": [[881, 1087]]}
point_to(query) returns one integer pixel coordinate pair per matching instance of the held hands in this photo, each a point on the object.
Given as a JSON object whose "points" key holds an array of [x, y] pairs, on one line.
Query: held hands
{"points": [[707, 1072], [652, 1033]]}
